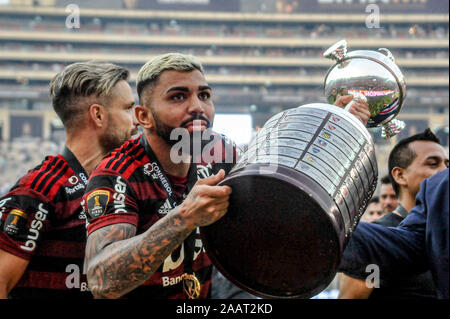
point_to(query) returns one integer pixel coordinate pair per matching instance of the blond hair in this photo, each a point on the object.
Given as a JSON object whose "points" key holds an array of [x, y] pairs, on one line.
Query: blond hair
{"points": [[81, 84]]}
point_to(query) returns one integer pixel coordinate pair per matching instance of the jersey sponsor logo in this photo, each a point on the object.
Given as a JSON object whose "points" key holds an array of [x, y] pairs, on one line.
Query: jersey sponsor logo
{"points": [[36, 226], [15, 222], [97, 202], [74, 189], [170, 281], [165, 208], [119, 196], [73, 179], [83, 178], [148, 169], [153, 170]]}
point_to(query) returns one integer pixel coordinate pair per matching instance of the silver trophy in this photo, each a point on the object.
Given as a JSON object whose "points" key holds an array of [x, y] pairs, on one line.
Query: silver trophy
{"points": [[305, 180], [298, 193], [370, 74]]}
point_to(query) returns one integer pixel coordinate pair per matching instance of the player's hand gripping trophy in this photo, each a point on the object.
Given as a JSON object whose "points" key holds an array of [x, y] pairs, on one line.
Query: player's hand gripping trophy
{"points": [[370, 75]]}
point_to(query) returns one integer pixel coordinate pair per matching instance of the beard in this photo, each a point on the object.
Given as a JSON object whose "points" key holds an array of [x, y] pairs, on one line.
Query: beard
{"points": [[114, 137], [164, 131]]}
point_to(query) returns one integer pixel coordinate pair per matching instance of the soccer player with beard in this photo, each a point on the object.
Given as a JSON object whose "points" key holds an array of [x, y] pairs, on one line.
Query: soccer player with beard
{"points": [[42, 225], [145, 202]]}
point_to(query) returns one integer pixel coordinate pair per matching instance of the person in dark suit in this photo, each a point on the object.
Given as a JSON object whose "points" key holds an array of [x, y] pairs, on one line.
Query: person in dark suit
{"points": [[419, 243], [411, 161]]}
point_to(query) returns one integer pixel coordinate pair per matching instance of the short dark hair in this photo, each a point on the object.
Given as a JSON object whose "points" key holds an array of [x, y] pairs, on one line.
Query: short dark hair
{"points": [[150, 72], [374, 199], [402, 155], [80, 81], [386, 180]]}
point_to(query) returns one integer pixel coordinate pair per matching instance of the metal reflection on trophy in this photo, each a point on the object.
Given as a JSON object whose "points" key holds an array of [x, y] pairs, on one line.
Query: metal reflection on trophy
{"points": [[373, 74], [298, 193]]}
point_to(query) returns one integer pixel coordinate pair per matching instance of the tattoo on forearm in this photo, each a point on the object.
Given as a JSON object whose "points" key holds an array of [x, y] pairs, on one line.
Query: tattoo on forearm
{"points": [[118, 262]]}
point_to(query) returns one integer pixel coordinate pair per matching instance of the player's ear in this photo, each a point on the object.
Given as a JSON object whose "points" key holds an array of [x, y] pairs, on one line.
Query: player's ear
{"points": [[98, 115], [398, 174], [144, 116]]}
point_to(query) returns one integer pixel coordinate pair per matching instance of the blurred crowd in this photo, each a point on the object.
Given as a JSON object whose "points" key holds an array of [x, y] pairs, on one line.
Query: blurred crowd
{"points": [[203, 51], [17, 157], [214, 29]]}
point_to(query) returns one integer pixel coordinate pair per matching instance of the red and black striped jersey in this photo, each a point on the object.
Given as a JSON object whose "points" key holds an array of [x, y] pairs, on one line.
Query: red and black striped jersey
{"points": [[126, 188], [41, 220]]}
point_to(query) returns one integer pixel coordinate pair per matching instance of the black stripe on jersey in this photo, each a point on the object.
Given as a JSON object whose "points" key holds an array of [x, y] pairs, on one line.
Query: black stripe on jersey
{"points": [[128, 151], [135, 151], [119, 161], [49, 167], [119, 152], [50, 174], [116, 156], [70, 235], [26, 176], [53, 181], [52, 264], [27, 201]]}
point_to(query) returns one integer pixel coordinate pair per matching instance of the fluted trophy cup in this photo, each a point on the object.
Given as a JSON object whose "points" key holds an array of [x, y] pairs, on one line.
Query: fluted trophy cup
{"points": [[302, 185]]}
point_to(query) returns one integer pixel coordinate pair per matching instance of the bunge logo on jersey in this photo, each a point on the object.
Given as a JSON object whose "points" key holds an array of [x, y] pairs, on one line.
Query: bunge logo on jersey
{"points": [[119, 196], [36, 225]]}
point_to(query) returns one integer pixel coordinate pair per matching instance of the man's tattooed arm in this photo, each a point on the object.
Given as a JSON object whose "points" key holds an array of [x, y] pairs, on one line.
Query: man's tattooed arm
{"points": [[118, 261]]}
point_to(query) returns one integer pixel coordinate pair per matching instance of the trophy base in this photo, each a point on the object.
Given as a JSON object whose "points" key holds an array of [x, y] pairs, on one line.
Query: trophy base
{"points": [[281, 236]]}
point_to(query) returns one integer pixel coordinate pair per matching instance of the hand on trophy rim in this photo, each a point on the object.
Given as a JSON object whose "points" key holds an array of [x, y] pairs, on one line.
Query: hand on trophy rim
{"points": [[359, 108]]}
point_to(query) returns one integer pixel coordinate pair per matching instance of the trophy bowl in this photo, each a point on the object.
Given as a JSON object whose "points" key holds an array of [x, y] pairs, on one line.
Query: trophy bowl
{"points": [[373, 74]]}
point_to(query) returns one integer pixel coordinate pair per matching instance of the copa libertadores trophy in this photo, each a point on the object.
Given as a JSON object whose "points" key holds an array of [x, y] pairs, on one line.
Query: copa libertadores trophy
{"points": [[302, 185], [373, 75]]}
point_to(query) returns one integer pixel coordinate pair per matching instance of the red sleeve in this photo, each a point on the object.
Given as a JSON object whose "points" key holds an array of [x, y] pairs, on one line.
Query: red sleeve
{"points": [[109, 199], [24, 217], [111, 219]]}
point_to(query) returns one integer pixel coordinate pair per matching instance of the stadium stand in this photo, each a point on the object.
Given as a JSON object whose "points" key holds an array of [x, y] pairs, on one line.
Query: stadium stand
{"points": [[261, 56]]}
